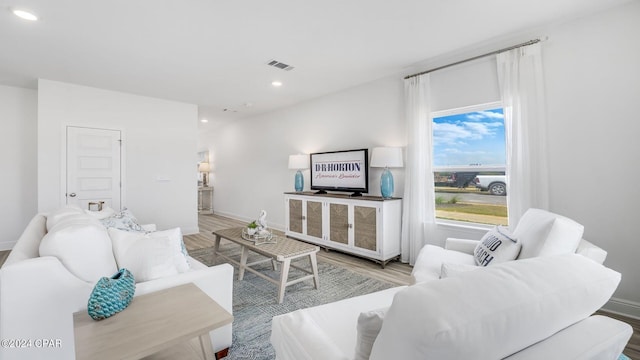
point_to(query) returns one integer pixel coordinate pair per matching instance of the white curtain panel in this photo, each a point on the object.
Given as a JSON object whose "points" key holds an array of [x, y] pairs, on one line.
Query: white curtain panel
{"points": [[418, 215], [520, 76]]}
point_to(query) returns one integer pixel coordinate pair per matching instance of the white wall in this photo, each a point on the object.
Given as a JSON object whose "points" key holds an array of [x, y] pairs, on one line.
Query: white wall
{"points": [[18, 121], [593, 87], [250, 157], [159, 142], [592, 81]]}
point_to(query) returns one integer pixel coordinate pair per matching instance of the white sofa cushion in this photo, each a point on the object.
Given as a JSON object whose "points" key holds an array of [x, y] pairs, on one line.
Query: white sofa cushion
{"points": [[60, 213], [369, 325], [453, 269], [430, 259], [82, 245], [496, 246], [563, 238], [439, 320], [149, 256], [532, 230]]}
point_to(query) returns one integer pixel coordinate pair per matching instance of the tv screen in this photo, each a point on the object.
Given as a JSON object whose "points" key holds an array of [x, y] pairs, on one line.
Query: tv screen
{"points": [[340, 171]]}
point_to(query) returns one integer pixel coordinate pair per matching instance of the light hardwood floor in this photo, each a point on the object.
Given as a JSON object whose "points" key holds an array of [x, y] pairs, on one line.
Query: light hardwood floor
{"points": [[394, 272]]}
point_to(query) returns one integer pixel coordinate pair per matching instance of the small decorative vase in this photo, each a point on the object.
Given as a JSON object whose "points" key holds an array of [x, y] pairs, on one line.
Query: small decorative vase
{"points": [[111, 295], [299, 184], [386, 184], [251, 231]]}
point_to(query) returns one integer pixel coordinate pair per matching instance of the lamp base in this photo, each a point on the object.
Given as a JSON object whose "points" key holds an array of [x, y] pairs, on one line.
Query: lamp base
{"points": [[386, 184], [299, 181], [204, 180]]}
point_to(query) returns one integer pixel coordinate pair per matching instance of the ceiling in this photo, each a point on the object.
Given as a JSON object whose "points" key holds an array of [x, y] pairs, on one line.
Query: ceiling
{"points": [[213, 53]]}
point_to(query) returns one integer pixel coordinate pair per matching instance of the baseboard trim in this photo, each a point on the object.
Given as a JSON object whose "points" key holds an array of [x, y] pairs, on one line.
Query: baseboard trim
{"points": [[190, 230], [623, 307], [7, 245]]}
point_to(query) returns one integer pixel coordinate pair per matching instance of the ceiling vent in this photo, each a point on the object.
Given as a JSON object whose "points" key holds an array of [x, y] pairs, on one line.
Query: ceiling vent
{"points": [[280, 65]]}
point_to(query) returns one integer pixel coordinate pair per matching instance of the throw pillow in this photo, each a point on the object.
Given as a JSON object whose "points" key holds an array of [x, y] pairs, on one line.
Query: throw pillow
{"points": [[149, 256], [369, 325], [514, 305], [496, 246], [55, 216], [453, 269], [123, 220], [83, 247], [564, 237]]}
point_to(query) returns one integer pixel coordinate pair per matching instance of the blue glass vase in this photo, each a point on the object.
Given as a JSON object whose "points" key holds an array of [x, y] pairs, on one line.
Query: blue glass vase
{"points": [[386, 184], [299, 184]]}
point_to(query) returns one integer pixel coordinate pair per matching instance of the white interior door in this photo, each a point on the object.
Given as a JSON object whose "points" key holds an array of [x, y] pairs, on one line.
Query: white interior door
{"points": [[93, 167]]}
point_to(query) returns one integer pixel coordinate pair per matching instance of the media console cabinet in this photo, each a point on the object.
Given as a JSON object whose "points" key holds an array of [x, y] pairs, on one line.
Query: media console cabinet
{"points": [[366, 226]]}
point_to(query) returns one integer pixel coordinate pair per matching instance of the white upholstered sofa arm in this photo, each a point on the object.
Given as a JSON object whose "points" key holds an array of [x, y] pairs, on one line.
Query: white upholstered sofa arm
{"points": [[591, 251], [462, 245]]}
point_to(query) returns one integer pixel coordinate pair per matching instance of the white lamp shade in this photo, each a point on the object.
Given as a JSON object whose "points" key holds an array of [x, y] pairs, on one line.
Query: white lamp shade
{"points": [[386, 157], [298, 162], [204, 167]]}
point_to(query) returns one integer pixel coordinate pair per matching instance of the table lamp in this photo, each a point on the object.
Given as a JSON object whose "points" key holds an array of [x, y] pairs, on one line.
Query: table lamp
{"points": [[299, 162], [386, 157], [204, 168]]}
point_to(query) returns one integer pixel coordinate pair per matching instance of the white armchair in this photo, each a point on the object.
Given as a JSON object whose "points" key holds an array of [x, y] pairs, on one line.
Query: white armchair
{"points": [[541, 233]]}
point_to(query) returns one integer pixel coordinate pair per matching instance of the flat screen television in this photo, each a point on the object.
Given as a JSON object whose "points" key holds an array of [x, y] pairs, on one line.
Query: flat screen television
{"points": [[346, 170]]}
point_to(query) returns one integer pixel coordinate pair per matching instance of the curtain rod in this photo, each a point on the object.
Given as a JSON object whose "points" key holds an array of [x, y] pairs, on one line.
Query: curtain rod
{"points": [[530, 42]]}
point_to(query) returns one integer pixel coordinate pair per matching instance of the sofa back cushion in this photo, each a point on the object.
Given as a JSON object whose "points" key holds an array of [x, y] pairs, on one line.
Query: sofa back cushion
{"points": [[494, 312], [544, 233], [60, 213], [82, 245]]}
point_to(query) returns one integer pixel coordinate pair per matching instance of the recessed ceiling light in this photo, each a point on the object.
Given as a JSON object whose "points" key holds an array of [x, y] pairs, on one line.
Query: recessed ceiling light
{"points": [[204, 121], [276, 83], [24, 14]]}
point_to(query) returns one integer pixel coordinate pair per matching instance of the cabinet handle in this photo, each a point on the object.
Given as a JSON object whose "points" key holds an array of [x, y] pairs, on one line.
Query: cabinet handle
{"points": [[350, 226], [304, 218]]}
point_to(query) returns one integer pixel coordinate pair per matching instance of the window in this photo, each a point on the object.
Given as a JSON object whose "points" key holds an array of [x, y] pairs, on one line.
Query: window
{"points": [[469, 161]]}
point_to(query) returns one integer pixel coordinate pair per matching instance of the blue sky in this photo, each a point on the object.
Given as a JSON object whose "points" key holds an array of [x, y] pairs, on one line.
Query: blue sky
{"points": [[471, 138]]}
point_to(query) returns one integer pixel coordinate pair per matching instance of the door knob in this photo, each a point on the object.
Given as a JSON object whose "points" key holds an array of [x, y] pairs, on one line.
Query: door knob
{"points": [[72, 195]]}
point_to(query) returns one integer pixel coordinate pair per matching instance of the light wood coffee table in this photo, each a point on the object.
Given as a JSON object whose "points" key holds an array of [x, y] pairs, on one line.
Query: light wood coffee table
{"points": [[283, 251], [152, 322]]}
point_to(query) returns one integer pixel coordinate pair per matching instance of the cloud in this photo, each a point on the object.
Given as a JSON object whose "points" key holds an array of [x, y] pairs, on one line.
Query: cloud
{"points": [[481, 115], [459, 133]]}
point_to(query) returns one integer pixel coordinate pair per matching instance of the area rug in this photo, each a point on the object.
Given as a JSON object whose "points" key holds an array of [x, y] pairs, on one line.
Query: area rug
{"points": [[255, 299]]}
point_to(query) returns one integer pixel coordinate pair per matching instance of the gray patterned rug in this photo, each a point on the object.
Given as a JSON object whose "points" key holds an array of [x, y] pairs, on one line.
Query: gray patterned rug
{"points": [[255, 299]]}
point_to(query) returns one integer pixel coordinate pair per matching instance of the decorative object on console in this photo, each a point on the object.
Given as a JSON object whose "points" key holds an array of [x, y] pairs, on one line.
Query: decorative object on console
{"points": [[386, 157], [111, 295], [252, 228], [299, 162], [204, 168]]}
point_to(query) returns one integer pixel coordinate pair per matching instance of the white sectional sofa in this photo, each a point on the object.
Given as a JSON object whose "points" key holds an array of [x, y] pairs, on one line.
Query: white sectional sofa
{"points": [[39, 294], [537, 307]]}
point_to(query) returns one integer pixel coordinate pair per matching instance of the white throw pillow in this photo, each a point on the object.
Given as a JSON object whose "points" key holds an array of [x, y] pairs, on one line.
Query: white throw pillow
{"points": [[564, 237], [514, 305], [532, 231], [82, 246], [496, 246], [55, 216], [149, 256], [453, 269], [369, 325]]}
